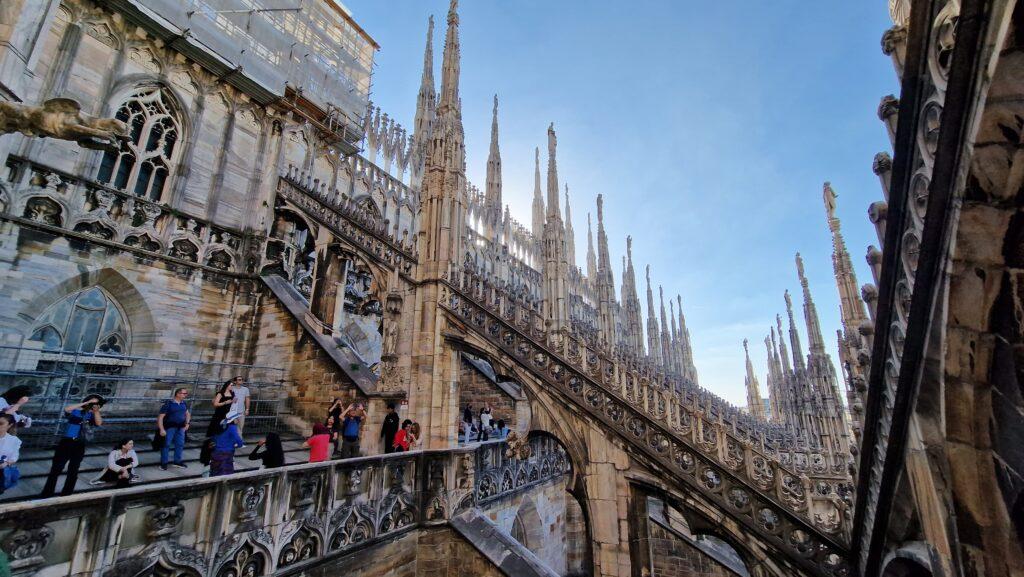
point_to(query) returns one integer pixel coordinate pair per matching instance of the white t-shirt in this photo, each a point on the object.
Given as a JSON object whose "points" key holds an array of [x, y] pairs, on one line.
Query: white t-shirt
{"points": [[238, 405], [485, 420], [9, 447]]}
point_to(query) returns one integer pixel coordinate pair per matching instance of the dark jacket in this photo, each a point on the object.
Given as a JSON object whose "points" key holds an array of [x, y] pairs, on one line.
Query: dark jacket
{"points": [[389, 428]]}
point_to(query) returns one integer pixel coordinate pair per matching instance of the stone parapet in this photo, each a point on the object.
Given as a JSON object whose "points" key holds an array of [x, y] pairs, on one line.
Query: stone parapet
{"points": [[266, 522]]}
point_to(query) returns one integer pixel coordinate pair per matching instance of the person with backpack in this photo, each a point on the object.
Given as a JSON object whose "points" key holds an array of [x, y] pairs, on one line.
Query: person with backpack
{"points": [[78, 422], [172, 422]]}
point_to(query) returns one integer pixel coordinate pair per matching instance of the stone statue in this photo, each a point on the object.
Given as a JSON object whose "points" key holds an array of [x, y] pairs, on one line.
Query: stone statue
{"points": [[391, 337], [62, 118], [829, 196]]}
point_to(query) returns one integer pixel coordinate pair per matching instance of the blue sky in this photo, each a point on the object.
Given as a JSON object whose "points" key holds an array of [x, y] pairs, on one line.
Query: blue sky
{"points": [[708, 126]]}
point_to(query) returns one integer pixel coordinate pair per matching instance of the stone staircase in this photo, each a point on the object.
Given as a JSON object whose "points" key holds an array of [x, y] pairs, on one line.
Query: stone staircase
{"points": [[35, 464]]}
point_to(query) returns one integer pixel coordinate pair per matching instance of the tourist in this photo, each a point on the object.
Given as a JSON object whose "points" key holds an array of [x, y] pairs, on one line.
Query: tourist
{"points": [[485, 423], [241, 403], [403, 439], [467, 423], [11, 403], [9, 449], [269, 451], [415, 441], [334, 412], [222, 403], [121, 462], [172, 422], [389, 428], [320, 441], [501, 431], [222, 459], [79, 420], [352, 420]]}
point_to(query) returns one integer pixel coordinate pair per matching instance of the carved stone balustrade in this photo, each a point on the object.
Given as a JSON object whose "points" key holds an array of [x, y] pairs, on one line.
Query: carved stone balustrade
{"points": [[47, 199], [268, 521], [336, 211]]}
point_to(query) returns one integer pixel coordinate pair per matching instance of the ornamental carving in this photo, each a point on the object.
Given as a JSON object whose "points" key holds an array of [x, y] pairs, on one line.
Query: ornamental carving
{"points": [[62, 118], [165, 520]]}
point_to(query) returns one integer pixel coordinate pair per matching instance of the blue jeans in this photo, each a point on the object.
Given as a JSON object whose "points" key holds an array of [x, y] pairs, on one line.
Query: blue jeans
{"points": [[176, 437]]}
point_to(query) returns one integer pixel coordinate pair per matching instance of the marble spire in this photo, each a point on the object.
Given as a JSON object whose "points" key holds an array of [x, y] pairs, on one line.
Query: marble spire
{"points": [[570, 235], [426, 104], [553, 211], [754, 403], [633, 321], [591, 255], [442, 209], [450, 67], [689, 370], [538, 200], [815, 341], [787, 368], [556, 266], [653, 333], [794, 336], [605, 286], [666, 340], [493, 184]]}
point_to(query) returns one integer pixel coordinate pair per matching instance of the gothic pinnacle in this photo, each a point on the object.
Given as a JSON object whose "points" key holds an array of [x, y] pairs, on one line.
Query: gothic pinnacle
{"points": [[816, 342], [653, 334], [493, 185], [553, 210], [666, 343], [426, 103], [591, 255], [794, 335], [450, 68], [428, 58], [783, 351], [538, 199], [570, 235]]}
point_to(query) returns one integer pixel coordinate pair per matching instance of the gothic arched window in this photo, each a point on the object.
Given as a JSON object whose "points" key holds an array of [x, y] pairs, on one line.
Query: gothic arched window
{"points": [[87, 321], [143, 162]]}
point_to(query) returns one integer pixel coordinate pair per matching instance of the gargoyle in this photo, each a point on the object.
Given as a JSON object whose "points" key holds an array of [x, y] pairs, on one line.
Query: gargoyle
{"points": [[62, 118]]}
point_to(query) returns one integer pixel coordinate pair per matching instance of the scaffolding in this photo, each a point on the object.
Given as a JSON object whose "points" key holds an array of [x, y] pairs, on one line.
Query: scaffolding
{"points": [[135, 387], [313, 47]]}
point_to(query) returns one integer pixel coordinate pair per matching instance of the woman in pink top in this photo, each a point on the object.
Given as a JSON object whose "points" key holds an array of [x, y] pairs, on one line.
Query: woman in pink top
{"points": [[320, 442]]}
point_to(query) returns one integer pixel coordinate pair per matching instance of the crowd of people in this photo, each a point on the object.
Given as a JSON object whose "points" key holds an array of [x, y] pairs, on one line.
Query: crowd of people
{"points": [[341, 428], [481, 423]]}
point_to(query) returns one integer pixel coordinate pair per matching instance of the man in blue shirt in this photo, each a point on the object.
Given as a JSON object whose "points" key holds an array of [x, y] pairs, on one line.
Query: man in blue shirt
{"points": [[172, 423], [352, 419], [71, 447]]}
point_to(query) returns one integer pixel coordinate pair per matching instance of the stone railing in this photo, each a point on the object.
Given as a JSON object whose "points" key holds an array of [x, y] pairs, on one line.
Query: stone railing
{"points": [[265, 522], [656, 393], [807, 519], [337, 212], [56, 200]]}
